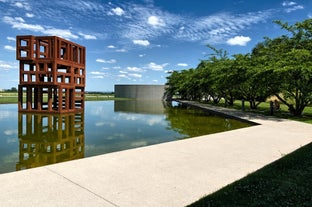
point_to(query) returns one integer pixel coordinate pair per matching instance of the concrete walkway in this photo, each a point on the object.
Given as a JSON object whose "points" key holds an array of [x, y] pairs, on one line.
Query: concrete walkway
{"points": [[170, 174]]}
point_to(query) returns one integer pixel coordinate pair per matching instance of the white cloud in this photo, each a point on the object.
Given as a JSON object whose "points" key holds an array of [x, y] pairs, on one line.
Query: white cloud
{"points": [[9, 47], [19, 23], [291, 6], [10, 131], [105, 124], [129, 76], [135, 75], [100, 60], [156, 67], [111, 61], [182, 64], [288, 10], [238, 40], [30, 15], [22, 5], [5, 66], [64, 33], [121, 50], [149, 22], [19, 19], [141, 21], [142, 55], [99, 123], [122, 76], [139, 144], [11, 158], [117, 11], [218, 27], [155, 21], [87, 36], [96, 73], [11, 39], [13, 139], [288, 3], [18, 4], [141, 42], [117, 50], [90, 37], [98, 77], [135, 69]]}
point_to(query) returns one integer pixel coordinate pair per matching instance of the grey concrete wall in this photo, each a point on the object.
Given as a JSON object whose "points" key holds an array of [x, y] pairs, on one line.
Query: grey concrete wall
{"points": [[140, 92], [139, 106]]}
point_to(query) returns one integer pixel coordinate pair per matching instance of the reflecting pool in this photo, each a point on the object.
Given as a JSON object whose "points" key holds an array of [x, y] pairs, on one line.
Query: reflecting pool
{"points": [[30, 140]]}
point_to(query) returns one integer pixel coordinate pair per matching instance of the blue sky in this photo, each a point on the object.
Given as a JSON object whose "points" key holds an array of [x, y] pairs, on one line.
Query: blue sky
{"points": [[139, 41]]}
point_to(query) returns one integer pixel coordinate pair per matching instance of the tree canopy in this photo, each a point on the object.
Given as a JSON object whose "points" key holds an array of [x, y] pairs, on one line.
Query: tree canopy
{"points": [[281, 66]]}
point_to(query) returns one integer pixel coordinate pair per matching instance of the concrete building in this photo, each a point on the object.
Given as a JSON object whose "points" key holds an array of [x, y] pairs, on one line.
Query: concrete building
{"points": [[140, 92]]}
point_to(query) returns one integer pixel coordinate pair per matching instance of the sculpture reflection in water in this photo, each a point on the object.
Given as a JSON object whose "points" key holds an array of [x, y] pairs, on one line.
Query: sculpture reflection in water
{"points": [[49, 138]]}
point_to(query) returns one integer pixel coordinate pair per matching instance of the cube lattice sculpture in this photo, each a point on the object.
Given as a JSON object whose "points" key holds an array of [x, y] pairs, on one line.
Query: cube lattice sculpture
{"points": [[49, 138], [52, 74]]}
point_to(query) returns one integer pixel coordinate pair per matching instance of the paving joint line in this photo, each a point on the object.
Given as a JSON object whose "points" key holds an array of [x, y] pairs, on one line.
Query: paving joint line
{"points": [[90, 191]]}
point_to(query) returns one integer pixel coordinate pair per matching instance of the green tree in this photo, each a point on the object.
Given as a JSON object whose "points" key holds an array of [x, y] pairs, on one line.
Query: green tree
{"points": [[214, 73], [175, 84], [13, 89], [191, 84], [281, 66], [184, 84], [207, 81], [228, 80], [290, 58], [251, 79]]}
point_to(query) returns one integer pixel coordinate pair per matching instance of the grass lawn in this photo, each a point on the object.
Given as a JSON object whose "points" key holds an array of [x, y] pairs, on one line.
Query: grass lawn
{"points": [[285, 182], [264, 108], [8, 98]]}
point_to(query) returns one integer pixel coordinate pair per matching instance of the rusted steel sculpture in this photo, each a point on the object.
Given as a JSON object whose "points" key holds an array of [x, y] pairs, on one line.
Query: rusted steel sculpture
{"points": [[49, 138], [52, 74]]}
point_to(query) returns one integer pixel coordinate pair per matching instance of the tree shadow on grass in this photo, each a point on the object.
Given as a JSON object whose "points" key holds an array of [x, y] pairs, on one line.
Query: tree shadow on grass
{"points": [[285, 182]]}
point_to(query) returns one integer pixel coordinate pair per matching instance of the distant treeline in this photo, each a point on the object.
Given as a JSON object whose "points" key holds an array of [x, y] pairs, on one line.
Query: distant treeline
{"points": [[100, 93], [13, 89]]}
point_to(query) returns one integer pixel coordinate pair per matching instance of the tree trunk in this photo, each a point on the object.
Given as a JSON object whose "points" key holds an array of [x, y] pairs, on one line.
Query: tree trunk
{"points": [[297, 110], [252, 104]]}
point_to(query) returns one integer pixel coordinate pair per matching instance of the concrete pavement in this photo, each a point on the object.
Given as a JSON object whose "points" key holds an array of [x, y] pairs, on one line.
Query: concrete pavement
{"points": [[169, 174]]}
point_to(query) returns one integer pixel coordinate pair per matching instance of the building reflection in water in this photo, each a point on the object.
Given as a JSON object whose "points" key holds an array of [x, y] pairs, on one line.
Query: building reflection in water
{"points": [[140, 106], [49, 138]]}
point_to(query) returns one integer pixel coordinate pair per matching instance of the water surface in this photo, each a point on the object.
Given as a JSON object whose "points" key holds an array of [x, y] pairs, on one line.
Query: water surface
{"points": [[30, 140]]}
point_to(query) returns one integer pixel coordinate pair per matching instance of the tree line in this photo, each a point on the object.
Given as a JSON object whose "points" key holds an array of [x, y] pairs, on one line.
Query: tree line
{"points": [[13, 90], [280, 67]]}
